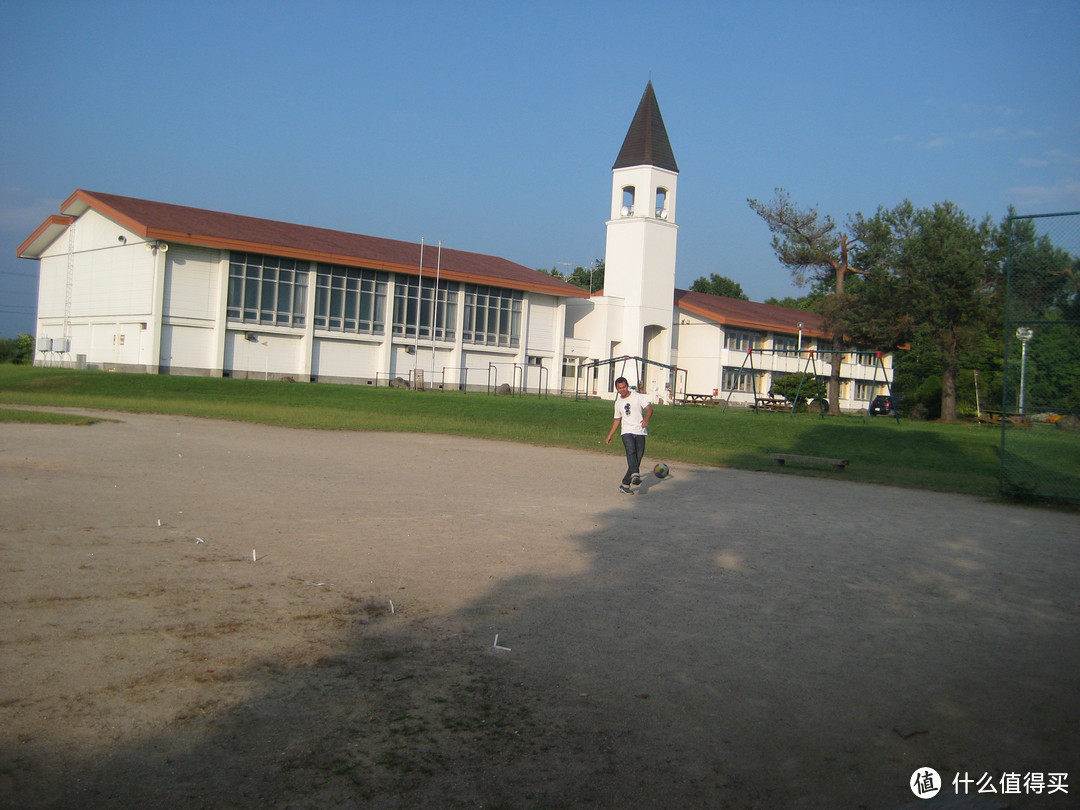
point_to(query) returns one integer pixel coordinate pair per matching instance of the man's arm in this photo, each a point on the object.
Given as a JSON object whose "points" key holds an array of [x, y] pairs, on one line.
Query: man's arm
{"points": [[614, 426]]}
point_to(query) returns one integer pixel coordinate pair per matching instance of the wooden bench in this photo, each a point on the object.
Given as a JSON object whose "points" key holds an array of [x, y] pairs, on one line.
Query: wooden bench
{"points": [[837, 464], [771, 404]]}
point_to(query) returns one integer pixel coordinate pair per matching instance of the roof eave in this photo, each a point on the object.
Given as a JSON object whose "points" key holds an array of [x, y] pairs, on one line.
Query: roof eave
{"points": [[750, 323], [47, 232], [353, 261], [81, 201]]}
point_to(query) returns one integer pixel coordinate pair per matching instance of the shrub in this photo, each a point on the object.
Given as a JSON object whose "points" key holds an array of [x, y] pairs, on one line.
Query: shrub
{"points": [[927, 397], [24, 352], [789, 384]]}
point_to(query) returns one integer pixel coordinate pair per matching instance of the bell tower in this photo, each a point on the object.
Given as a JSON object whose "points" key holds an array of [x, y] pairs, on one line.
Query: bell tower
{"points": [[639, 255]]}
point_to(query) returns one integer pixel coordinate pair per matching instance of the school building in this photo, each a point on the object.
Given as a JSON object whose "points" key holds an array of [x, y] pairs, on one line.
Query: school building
{"points": [[142, 286]]}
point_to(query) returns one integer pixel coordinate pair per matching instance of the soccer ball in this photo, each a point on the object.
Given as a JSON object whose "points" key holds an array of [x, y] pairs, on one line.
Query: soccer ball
{"points": [[661, 470]]}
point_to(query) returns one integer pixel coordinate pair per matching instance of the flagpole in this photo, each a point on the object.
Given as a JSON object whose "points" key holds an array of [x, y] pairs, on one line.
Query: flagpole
{"points": [[419, 286], [435, 308]]}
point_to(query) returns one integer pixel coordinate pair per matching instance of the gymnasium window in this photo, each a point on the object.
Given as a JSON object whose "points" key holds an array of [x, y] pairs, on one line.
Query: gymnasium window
{"points": [[411, 296], [267, 290], [492, 316], [348, 299]]}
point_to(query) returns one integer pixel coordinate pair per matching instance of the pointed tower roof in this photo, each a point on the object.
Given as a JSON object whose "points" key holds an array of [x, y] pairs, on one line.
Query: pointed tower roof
{"points": [[646, 142]]}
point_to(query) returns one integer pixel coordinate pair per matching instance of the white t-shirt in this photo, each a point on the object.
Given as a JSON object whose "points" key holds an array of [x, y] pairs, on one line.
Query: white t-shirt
{"points": [[631, 411]]}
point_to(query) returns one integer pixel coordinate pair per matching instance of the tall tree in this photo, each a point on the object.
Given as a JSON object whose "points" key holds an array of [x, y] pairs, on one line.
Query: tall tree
{"points": [[816, 251], [1041, 274], [1042, 295], [591, 279], [719, 285], [805, 302], [935, 274]]}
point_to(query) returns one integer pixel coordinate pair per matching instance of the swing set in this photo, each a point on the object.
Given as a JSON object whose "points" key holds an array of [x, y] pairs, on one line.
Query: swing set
{"points": [[675, 375], [771, 403]]}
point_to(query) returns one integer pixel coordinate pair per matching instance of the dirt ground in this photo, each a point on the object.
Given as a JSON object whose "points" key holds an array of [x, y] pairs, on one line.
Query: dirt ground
{"points": [[203, 614]]}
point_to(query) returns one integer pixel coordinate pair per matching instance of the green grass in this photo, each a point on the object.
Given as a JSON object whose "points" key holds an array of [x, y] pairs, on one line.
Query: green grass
{"points": [[950, 457]]}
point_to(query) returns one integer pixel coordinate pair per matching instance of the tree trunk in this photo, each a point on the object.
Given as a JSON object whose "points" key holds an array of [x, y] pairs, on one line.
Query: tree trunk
{"points": [[834, 384], [835, 360], [948, 390]]}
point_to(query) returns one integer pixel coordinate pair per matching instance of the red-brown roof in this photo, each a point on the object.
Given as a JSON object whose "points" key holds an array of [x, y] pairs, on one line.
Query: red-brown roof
{"points": [[196, 226], [750, 314]]}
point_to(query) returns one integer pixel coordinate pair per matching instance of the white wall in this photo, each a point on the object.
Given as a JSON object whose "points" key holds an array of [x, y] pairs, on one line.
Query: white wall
{"points": [[342, 358], [195, 279], [187, 348], [272, 355], [540, 337], [110, 278], [112, 285], [192, 283], [699, 344]]}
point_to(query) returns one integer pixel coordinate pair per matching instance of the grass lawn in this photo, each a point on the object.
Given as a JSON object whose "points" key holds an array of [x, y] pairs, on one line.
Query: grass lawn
{"points": [[950, 457]]}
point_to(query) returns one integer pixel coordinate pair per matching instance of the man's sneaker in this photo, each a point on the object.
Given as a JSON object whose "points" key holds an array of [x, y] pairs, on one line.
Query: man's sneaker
{"points": [[626, 489], [635, 479]]}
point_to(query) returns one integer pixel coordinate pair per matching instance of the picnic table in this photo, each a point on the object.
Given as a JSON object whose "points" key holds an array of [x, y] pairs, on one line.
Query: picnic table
{"points": [[1010, 419], [699, 399], [771, 404]]}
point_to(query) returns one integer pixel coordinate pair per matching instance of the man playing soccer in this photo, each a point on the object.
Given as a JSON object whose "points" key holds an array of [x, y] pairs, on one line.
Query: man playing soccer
{"points": [[632, 414]]}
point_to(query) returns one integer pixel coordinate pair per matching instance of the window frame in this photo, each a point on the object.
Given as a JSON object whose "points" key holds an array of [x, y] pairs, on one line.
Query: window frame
{"points": [[267, 290], [413, 294], [350, 299], [492, 316], [742, 340]]}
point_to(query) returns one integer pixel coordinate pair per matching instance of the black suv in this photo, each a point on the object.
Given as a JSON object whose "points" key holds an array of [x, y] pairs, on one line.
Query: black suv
{"points": [[885, 403]]}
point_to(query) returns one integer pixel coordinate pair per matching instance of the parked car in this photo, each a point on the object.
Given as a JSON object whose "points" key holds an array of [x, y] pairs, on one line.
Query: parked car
{"points": [[885, 404]]}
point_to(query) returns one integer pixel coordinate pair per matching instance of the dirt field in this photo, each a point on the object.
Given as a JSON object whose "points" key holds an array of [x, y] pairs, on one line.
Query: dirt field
{"points": [[720, 639]]}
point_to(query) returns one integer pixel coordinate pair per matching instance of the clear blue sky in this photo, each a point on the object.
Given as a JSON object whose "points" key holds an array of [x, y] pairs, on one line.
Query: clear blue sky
{"points": [[493, 126]]}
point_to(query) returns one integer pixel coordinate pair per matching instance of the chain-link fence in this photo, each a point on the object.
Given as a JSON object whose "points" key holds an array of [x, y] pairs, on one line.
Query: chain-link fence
{"points": [[1040, 408]]}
